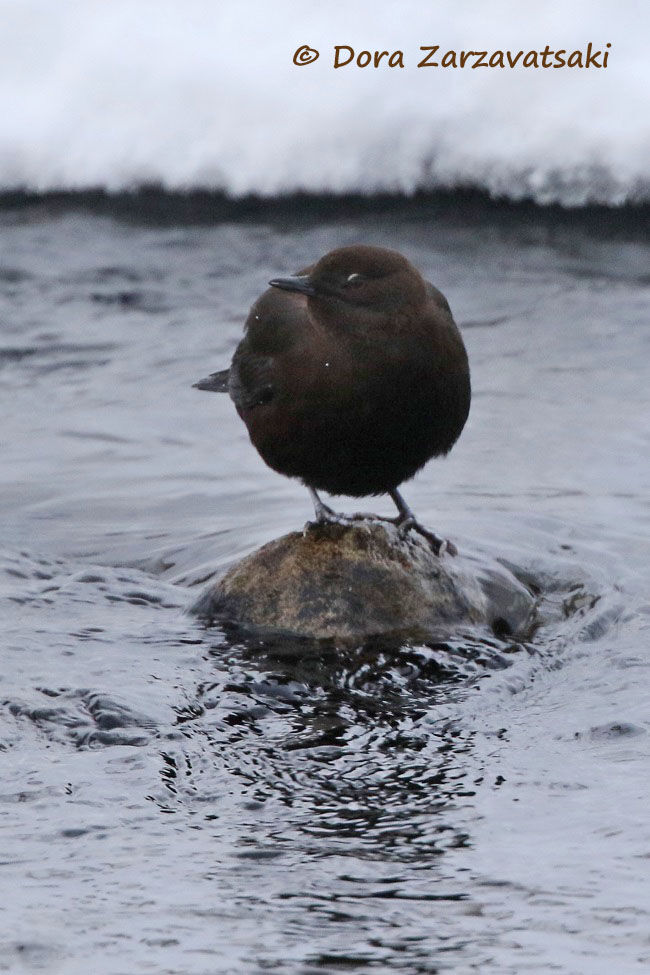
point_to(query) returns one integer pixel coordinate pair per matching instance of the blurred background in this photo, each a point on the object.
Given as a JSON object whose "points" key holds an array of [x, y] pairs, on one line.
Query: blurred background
{"points": [[206, 95], [184, 800]]}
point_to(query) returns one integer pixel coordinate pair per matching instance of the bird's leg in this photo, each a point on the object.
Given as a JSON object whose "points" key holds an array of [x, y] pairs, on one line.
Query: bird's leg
{"points": [[327, 516], [407, 521], [324, 514]]}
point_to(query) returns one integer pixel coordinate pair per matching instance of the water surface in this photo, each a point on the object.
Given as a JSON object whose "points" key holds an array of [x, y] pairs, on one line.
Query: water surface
{"points": [[175, 800]]}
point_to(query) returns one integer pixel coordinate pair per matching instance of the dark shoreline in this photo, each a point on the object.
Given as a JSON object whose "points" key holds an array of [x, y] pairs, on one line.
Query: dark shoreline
{"points": [[156, 206]]}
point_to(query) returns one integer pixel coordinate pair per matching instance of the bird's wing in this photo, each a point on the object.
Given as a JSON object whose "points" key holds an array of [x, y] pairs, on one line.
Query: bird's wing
{"points": [[273, 325], [251, 378], [217, 382]]}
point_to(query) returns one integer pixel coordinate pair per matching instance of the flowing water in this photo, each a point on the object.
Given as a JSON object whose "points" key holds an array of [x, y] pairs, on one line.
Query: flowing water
{"points": [[177, 800]]}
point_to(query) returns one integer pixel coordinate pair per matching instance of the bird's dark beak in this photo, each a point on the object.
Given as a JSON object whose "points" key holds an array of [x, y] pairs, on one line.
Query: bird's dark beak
{"points": [[300, 282]]}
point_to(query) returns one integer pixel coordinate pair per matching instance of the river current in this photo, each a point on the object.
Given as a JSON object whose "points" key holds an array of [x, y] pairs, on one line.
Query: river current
{"points": [[176, 799]]}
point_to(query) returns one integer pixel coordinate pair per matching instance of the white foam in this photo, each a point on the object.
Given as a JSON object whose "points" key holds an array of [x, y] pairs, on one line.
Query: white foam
{"points": [[193, 93]]}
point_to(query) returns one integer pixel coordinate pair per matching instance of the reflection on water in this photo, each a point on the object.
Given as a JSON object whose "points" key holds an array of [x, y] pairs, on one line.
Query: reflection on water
{"points": [[196, 800]]}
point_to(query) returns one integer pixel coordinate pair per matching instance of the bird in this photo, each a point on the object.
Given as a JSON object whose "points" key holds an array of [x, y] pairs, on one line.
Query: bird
{"points": [[351, 375]]}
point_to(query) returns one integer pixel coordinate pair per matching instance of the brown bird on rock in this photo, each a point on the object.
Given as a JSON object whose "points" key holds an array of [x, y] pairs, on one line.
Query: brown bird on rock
{"points": [[351, 375]]}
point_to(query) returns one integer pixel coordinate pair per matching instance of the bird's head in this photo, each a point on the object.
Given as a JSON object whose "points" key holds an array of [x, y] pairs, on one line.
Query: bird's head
{"points": [[362, 279]]}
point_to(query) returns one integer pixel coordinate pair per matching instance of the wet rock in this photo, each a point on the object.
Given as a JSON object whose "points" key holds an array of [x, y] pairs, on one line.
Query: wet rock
{"points": [[356, 581]]}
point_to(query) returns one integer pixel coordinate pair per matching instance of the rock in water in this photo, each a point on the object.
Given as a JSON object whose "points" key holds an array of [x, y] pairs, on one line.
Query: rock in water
{"points": [[351, 582]]}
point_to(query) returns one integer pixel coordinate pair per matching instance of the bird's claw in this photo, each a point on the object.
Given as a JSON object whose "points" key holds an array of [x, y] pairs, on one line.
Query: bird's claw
{"points": [[326, 516], [368, 516], [404, 522], [440, 546], [404, 525]]}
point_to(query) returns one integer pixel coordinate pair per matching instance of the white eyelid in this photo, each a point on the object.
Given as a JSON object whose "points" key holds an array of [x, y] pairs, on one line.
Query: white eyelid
{"points": [[353, 277]]}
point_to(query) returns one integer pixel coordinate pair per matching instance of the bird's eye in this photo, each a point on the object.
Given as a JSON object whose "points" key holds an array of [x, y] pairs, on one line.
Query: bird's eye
{"points": [[354, 279]]}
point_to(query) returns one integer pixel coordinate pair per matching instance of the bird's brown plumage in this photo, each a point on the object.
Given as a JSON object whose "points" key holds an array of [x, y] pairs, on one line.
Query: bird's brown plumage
{"points": [[355, 387]]}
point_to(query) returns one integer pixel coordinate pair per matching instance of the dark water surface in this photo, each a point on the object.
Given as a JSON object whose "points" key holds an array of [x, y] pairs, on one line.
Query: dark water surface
{"points": [[174, 800]]}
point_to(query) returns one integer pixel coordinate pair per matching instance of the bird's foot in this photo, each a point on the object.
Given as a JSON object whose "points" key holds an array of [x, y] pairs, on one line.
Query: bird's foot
{"points": [[325, 515], [368, 516], [405, 524], [439, 545], [406, 521]]}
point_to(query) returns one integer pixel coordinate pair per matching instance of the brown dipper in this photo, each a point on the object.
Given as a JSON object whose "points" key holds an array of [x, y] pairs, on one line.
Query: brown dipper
{"points": [[351, 376]]}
